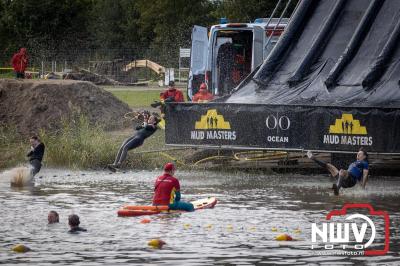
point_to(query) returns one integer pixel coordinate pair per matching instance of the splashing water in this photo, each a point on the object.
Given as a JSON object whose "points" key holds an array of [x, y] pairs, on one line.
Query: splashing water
{"points": [[18, 177]]}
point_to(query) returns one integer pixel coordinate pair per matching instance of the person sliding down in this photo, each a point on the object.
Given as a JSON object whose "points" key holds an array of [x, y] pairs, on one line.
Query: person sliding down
{"points": [[357, 171], [35, 155], [144, 131], [167, 191]]}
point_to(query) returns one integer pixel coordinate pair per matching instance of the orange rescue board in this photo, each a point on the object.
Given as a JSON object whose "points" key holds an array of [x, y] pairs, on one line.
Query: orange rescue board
{"points": [[131, 210]]}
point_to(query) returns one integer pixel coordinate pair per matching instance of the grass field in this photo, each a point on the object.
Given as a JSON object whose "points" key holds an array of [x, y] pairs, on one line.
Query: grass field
{"points": [[137, 98], [140, 97]]}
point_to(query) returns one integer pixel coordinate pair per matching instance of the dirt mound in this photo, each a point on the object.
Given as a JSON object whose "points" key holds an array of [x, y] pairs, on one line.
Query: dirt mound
{"points": [[34, 104]]}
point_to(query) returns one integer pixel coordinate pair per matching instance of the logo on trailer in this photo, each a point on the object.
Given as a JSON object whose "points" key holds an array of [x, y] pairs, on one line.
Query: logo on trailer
{"points": [[212, 120], [348, 131], [277, 124], [212, 126], [352, 233]]}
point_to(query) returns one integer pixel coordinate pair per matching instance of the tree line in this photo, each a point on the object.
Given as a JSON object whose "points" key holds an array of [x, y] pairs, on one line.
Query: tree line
{"points": [[115, 26]]}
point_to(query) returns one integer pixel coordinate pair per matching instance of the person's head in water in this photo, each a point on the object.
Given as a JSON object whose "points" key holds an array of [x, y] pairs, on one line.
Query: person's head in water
{"points": [[171, 85], [362, 155], [34, 140], [169, 168], [73, 220], [53, 217]]}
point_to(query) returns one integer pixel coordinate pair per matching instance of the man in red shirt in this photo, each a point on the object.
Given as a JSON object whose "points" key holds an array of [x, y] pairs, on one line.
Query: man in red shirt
{"points": [[171, 94], [167, 191], [203, 95], [19, 62]]}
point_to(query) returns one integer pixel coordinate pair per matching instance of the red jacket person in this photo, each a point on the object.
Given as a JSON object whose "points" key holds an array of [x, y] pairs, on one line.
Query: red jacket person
{"points": [[167, 191], [203, 95], [19, 62]]}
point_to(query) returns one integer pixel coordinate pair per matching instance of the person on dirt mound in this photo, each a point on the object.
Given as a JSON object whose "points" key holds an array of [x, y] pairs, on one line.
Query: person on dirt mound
{"points": [[19, 63], [167, 191], [357, 171], [143, 131], [170, 95]]}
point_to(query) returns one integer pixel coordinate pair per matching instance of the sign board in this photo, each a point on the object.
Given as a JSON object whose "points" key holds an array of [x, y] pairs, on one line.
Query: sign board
{"points": [[251, 126], [169, 75], [184, 52]]}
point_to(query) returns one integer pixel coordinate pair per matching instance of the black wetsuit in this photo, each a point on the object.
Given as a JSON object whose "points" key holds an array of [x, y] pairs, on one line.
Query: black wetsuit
{"points": [[77, 229], [36, 157], [143, 132]]}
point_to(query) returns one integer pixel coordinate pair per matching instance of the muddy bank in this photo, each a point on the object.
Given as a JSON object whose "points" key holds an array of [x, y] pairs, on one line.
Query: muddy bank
{"points": [[31, 105]]}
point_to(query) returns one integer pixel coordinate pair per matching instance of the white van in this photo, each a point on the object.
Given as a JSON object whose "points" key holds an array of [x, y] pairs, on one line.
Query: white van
{"points": [[224, 56]]}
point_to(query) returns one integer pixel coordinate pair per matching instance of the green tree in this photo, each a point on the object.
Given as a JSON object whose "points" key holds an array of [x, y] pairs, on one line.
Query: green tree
{"points": [[46, 25], [114, 25], [168, 25]]}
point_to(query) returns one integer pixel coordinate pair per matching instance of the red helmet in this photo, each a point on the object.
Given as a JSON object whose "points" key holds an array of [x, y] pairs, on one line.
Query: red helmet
{"points": [[169, 167], [203, 86]]}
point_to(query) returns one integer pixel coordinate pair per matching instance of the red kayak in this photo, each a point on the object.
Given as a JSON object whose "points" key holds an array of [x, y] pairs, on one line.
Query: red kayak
{"points": [[132, 210]]}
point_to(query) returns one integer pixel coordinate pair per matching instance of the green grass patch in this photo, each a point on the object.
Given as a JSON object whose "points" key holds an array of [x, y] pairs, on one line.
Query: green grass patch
{"points": [[7, 75], [80, 145], [136, 99]]}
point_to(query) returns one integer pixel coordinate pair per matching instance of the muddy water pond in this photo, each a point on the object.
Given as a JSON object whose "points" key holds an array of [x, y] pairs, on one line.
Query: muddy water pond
{"points": [[252, 210]]}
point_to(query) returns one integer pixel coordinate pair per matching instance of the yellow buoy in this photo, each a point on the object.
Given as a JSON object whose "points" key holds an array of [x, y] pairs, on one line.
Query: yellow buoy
{"points": [[253, 228], [283, 237], [20, 248], [209, 226], [274, 229], [156, 243], [297, 231], [229, 227], [186, 226]]}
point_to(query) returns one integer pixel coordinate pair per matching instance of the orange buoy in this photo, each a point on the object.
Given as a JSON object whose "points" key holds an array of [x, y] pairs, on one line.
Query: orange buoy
{"points": [[145, 221]]}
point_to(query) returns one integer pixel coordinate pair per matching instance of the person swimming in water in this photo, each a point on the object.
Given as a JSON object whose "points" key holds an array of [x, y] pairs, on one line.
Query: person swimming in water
{"points": [[53, 217], [73, 222], [357, 171], [167, 191], [144, 131], [36, 154]]}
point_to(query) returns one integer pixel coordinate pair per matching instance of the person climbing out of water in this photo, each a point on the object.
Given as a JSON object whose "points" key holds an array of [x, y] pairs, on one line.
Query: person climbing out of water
{"points": [[73, 222], [167, 191], [357, 171], [53, 217], [35, 155], [143, 131], [203, 95]]}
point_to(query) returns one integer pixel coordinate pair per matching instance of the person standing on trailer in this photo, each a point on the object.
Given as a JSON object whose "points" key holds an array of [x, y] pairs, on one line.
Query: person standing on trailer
{"points": [[203, 95]]}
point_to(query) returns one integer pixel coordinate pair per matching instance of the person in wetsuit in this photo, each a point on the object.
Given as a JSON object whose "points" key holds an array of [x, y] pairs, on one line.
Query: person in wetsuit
{"points": [[144, 131], [73, 222], [35, 155], [167, 191], [357, 171]]}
